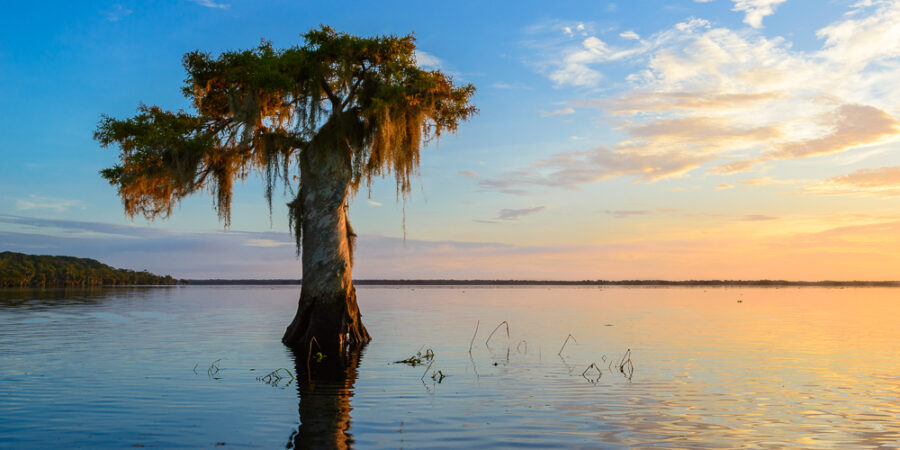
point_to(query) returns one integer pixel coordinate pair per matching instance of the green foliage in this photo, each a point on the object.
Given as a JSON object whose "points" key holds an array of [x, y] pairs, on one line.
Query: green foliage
{"points": [[418, 359], [21, 270], [258, 109]]}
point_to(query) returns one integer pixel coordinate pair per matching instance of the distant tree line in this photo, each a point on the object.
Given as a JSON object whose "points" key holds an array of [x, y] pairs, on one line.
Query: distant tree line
{"points": [[778, 283], [21, 270]]}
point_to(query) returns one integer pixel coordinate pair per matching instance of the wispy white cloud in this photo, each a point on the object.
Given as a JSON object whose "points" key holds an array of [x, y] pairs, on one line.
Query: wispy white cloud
{"points": [[117, 12], [36, 202], [266, 243], [428, 61], [558, 112], [516, 214], [211, 4], [756, 10]]}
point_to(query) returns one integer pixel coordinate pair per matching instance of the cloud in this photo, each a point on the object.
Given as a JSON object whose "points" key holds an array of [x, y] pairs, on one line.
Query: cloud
{"points": [[516, 214], [558, 112], [852, 126], [630, 35], [469, 173], [644, 102], [373, 202], [628, 213], [211, 4], [500, 85], [117, 12], [266, 243], [731, 101], [882, 181], [756, 10], [854, 251], [428, 61], [36, 202], [573, 169], [722, 187], [758, 217]]}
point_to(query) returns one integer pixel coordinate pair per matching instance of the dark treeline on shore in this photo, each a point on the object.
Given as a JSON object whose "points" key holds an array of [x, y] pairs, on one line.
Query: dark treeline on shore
{"points": [[41, 271], [570, 283]]}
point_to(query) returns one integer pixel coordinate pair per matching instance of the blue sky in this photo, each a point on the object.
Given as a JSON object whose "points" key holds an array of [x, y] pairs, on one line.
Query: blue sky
{"points": [[638, 139]]}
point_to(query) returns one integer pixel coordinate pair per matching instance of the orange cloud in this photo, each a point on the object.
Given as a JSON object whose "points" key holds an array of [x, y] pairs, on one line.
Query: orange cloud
{"points": [[642, 102], [883, 181], [853, 125]]}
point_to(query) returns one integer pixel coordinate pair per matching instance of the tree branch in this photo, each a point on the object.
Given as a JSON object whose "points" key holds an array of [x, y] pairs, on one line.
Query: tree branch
{"points": [[335, 101]]}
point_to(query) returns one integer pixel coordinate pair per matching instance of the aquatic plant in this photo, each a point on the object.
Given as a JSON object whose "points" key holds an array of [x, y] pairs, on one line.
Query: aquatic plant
{"points": [[418, 358]]}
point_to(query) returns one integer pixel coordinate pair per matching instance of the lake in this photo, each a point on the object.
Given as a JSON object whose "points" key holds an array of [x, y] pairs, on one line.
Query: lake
{"points": [[712, 367]]}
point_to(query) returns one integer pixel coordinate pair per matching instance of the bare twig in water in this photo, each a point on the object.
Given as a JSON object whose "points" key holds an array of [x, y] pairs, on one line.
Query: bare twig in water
{"points": [[495, 330], [626, 367], [274, 378], [213, 370], [520, 344], [473, 336], [426, 370], [592, 379], [566, 342]]}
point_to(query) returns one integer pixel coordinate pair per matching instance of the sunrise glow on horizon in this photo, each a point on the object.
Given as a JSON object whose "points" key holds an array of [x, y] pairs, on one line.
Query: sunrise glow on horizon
{"points": [[703, 139]]}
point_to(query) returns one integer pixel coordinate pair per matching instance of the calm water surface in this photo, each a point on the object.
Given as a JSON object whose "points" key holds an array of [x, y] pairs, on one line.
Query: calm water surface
{"points": [[804, 367]]}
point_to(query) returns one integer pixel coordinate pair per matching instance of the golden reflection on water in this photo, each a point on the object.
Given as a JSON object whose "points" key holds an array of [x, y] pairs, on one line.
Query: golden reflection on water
{"points": [[808, 367], [768, 367]]}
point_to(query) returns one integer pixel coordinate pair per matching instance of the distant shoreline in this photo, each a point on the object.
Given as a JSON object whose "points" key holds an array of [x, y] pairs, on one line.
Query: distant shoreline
{"points": [[712, 283]]}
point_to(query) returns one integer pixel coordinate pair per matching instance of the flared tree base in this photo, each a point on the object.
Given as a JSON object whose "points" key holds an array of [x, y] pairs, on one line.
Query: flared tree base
{"points": [[327, 323]]}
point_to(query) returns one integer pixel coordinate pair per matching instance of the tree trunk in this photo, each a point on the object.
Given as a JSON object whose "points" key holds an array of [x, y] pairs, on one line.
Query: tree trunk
{"points": [[328, 317]]}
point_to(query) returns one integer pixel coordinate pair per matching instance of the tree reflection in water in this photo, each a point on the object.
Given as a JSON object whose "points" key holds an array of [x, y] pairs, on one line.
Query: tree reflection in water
{"points": [[324, 390]]}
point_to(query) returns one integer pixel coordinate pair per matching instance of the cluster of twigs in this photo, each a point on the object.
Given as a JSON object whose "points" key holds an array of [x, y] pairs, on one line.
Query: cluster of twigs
{"points": [[213, 370], [275, 377], [418, 359], [421, 358], [591, 373]]}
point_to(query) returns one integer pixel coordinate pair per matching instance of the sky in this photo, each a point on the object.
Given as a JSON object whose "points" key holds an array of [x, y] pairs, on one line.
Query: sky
{"points": [[689, 139]]}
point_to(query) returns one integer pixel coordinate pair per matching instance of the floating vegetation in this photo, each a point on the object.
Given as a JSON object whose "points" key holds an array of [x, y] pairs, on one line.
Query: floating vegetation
{"points": [[487, 342], [275, 377], [438, 376], [418, 359], [566, 342]]}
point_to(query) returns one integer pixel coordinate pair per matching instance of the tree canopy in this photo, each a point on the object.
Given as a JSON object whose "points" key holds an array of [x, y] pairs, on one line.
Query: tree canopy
{"points": [[21, 270], [257, 109]]}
